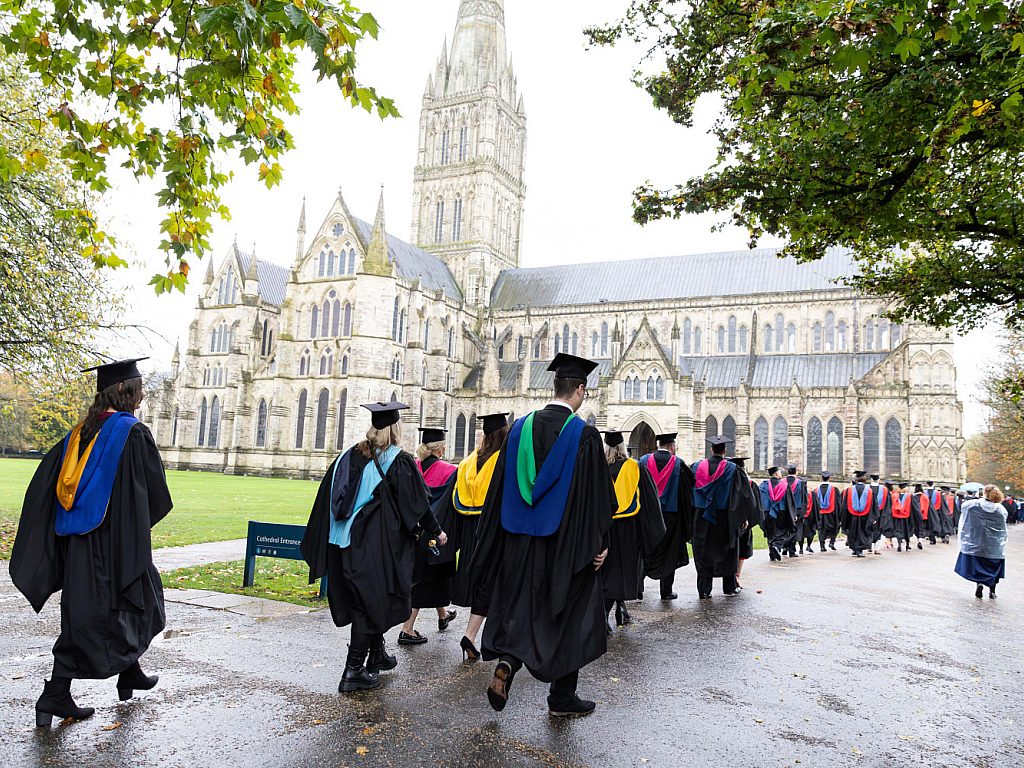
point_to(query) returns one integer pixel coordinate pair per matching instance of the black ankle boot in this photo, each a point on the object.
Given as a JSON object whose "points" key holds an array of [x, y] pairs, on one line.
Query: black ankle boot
{"points": [[380, 660], [626, 618], [357, 677], [56, 701], [134, 679]]}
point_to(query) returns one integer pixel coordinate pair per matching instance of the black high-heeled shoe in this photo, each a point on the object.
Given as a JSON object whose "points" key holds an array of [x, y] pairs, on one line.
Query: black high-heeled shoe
{"points": [[56, 701], [442, 624], [134, 679], [469, 651]]}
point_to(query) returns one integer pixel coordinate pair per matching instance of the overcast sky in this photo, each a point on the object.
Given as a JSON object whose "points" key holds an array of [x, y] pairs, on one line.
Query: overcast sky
{"points": [[592, 138]]}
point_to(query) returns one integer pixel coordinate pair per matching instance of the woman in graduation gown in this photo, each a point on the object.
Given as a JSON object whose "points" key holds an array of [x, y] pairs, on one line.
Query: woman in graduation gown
{"points": [[431, 576], [901, 520], [779, 512], [826, 511], [465, 499], [921, 510], [637, 529], [371, 507], [858, 510], [85, 531], [673, 480]]}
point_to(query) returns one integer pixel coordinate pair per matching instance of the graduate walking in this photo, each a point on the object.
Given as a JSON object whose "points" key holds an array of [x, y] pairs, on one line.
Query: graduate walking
{"points": [[85, 532], [674, 481], [779, 513], [723, 509], [901, 519], [637, 530], [827, 512], [542, 538], [746, 545], [921, 510], [881, 508], [371, 508], [798, 488], [858, 508]]}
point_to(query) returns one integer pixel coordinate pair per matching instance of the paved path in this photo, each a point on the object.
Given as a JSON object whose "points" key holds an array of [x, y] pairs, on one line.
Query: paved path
{"points": [[171, 558], [881, 661]]}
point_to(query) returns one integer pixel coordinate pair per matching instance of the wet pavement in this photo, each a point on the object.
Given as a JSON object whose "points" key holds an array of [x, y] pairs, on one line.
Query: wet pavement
{"points": [[172, 558], [881, 661]]}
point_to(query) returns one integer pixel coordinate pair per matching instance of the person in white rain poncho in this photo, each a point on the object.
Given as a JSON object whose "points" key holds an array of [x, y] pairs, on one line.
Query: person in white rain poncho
{"points": [[982, 541]]}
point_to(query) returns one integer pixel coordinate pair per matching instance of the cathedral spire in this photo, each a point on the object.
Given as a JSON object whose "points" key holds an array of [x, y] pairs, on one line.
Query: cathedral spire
{"points": [[300, 234], [478, 52], [208, 280], [376, 261]]}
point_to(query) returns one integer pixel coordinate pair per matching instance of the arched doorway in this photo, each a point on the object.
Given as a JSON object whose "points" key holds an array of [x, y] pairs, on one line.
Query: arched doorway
{"points": [[641, 440]]}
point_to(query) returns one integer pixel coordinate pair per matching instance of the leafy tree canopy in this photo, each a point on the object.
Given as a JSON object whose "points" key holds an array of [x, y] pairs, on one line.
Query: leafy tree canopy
{"points": [[894, 129], [165, 87]]}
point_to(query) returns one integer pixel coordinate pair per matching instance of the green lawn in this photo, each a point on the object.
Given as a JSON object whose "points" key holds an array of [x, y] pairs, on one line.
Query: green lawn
{"points": [[284, 580], [207, 506]]}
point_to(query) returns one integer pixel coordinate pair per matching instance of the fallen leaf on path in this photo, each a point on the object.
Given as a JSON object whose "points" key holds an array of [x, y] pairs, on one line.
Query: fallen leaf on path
{"points": [[361, 750], [112, 726], [368, 730], [18, 676], [758, 720], [760, 591], [615, 680], [318, 722]]}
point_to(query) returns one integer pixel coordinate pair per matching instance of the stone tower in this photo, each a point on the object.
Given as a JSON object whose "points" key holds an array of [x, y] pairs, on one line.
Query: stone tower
{"points": [[468, 185]]}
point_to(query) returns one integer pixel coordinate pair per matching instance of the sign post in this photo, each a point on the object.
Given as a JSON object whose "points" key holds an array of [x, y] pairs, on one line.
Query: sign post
{"points": [[273, 540]]}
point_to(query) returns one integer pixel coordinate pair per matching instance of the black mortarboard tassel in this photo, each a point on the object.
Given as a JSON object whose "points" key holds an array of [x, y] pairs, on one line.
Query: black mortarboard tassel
{"points": [[568, 366], [492, 422], [383, 415], [109, 374]]}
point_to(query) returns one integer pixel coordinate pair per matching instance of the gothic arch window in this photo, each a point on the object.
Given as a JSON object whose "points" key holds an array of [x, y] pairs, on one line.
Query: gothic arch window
{"points": [[327, 363], [463, 143], [451, 342], [720, 345], [870, 436], [882, 334], [830, 328], [261, 424], [323, 404], [895, 335], [448, 380], [565, 337], [893, 447], [604, 339], [791, 338], [335, 315], [174, 427], [834, 445], [426, 334], [780, 442], [331, 263], [650, 388], [594, 345], [729, 429], [520, 347], [869, 334], [214, 434], [659, 389], [761, 444], [768, 342], [744, 338], [265, 339], [843, 336], [300, 420], [558, 343], [710, 430], [732, 333], [814, 444], [206, 376], [344, 364], [403, 326], [322, 266], [201, 424], [304, 363], [686, 336], [396, 369], [394, 320], [460, 435], [816, 341], [457, 221], [346, 326], [314, 321], [779, 332], [439, 221], [575, 344], [339, 442], [698, 342]]}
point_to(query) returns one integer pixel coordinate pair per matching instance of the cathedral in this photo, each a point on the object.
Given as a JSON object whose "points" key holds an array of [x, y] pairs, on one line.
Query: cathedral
{"points": [[782, 357]]}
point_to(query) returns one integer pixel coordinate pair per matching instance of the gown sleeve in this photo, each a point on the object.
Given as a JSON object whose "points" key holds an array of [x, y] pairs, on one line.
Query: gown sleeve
{"points": [[318, 528], [652, 526], [160, 502], [37, 564]]}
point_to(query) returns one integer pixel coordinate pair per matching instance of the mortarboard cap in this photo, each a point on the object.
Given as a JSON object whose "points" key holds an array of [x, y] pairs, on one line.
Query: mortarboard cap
{"points": [[791, 468], [860, 474], [904, 485], [719, 441], [826, 475], [109, 374], [739, 460], [613, 437], [568, 366], [874, 476], [383, 415], [929, 482], [432, 434], [492, 422], [668, 437], [772, 470]]}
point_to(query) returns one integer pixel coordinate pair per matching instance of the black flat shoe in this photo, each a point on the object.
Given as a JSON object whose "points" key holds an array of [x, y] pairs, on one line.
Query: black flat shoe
{"points": [[920, 545], [774, 554], [992, 593], [980, 591], [56, 702], [469, 651], [404, 638], [704, 596], [497, 691], [670, 596], [442, 624], [832, 546], [134, 679], [358, 679], [576, 707]]}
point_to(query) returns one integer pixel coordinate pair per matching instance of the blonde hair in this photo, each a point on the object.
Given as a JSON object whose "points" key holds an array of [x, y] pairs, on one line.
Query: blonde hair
{"points": [[993, 494], [614, 453], [430, 449], [378, 440]]}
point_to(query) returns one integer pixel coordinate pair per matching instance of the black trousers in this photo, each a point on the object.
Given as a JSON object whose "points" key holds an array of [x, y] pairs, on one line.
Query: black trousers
{"points": [[666, 585], [562, 691], [705, 583]]}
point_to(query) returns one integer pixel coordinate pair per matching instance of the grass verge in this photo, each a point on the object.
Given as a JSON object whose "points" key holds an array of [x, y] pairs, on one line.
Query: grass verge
{"points": [[284, 580]]}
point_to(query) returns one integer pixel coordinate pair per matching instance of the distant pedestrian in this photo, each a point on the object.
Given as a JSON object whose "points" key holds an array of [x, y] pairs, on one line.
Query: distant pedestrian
{"points": [[827, 512], [85, 532], [779, 524], [858, 509], [982, 541], [362, 531], [901, 520], [1011, 508], [674, 482], [921, 510], [801, 505]]}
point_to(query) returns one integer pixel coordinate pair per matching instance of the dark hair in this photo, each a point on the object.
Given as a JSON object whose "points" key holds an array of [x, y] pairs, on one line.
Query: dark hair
{"points": [[565, 387], [124, 396], [490, 445]]}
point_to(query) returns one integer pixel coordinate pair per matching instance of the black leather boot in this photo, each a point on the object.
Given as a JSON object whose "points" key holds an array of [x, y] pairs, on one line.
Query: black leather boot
{"points": [[379, 659], [626, 619], [56, 701], [134, 679], [357, 677]]}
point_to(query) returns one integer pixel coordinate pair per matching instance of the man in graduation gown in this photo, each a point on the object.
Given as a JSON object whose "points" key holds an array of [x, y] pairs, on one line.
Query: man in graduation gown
{"points": [[673, 480], [949, 510], [881, 512], [858, 505], [637, 530], [85, 532], [826, 511], [746, 545], [542, 538], [798, 487], [902, 523], [723, 509], [937, 525], [920, 508], [779, 513]]}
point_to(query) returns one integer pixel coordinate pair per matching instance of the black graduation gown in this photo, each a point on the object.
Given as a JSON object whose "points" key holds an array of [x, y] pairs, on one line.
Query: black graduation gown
{"points": [[920, 525], [827, 523], [715, 546], [884, 512], [800, 506], [780, 530], [546, 604], [432, 574], [671, 552], [462, 530], [746, 546], [112, 602], [858, 528], [632, 543], [369, 582]]}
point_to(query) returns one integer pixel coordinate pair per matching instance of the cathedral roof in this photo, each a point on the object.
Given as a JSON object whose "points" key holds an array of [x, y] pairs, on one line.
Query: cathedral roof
{"points": [[730, 273], [820, 370], [272, 278], [414, 263]]}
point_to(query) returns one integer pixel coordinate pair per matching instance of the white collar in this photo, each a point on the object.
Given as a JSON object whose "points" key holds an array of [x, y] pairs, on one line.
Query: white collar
{"points": [[560, 404]]}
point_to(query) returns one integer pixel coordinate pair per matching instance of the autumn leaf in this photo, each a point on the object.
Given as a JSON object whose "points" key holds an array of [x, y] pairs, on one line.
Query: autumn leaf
{"points": [[361, 750], [112, 727]]}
